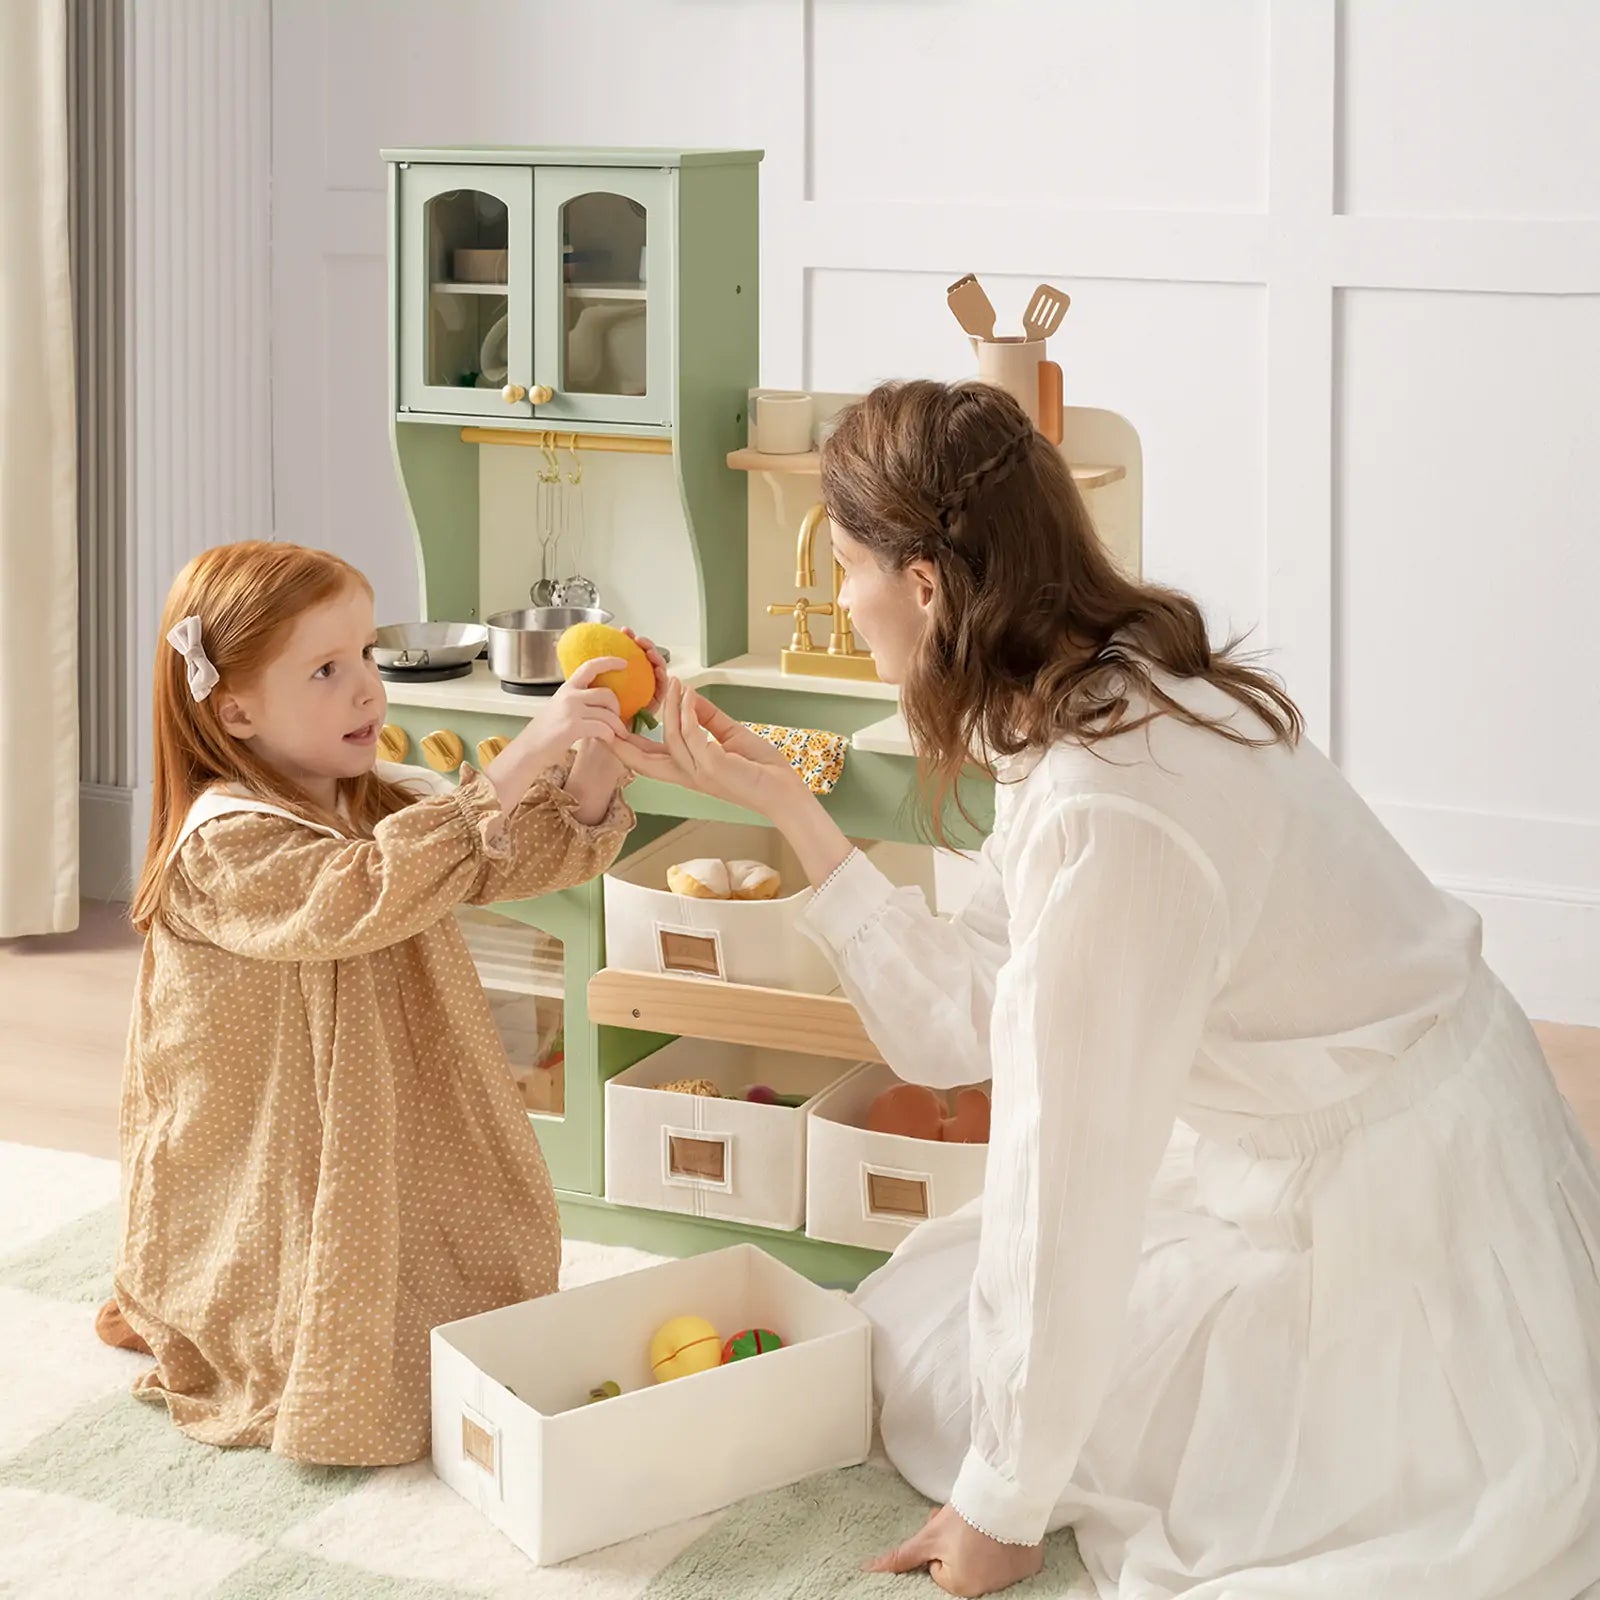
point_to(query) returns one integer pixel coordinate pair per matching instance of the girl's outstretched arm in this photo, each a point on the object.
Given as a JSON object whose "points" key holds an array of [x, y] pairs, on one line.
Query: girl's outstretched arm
{"points": [[266, 886]]}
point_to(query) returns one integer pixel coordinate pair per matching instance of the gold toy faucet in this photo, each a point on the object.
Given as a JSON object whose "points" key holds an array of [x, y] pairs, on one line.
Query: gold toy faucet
{"points": [[842, 659]]}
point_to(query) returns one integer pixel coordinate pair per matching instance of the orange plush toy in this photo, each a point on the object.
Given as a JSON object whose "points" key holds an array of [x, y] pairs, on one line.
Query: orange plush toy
{"points": [[911, 1111], [634, 685]]}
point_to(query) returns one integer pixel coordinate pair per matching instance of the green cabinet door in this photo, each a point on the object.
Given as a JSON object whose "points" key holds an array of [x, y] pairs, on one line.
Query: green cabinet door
{"points": [[604, 311], [465, 290]]}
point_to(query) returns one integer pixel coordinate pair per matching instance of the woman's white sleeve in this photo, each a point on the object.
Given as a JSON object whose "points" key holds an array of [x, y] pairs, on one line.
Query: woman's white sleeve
{"points": [[1118, 930], [924, 984]]}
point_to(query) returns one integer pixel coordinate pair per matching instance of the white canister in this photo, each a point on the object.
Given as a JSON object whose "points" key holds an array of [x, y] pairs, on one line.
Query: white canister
{"points": [[782, 422]]}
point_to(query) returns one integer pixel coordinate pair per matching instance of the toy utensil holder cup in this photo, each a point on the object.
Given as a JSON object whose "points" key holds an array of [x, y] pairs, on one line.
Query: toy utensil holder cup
{"points": [[1021, 368], [782, 422]]}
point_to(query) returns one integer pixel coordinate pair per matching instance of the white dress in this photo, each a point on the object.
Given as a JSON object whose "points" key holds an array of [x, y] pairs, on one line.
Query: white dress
{"points": [[1283, 1283]]}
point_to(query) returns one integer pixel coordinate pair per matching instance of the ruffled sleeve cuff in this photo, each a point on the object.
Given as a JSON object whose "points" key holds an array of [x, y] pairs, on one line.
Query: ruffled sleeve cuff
{"points": [[479, 808], [987, 1500], [853, 898], [549, 794]]}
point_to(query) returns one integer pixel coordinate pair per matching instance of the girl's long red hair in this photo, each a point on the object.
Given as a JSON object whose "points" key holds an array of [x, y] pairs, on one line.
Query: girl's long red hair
{"points": [[247, 597]]}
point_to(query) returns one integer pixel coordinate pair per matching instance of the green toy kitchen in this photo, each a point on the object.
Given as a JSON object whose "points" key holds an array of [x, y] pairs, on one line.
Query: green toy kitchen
{"points": [[579, 430]]}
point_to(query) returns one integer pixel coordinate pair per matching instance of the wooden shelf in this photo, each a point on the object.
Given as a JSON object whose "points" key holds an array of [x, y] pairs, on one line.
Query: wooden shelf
{"points": [[697, 1008], [500, 289], [756, 461]]}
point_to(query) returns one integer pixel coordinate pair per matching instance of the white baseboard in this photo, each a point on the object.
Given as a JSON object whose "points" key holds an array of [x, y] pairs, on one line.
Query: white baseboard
{"points": [[1535, 881], [1545, 947], [105, 842]]}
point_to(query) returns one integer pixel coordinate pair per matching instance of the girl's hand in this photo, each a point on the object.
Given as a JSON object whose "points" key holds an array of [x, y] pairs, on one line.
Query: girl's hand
{"points": [[704, 749], [577, 710], [960, 1559], [653, 656]]}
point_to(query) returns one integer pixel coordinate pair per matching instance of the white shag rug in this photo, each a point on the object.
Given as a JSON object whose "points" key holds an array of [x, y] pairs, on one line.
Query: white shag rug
{"points": [[100, 1494]]}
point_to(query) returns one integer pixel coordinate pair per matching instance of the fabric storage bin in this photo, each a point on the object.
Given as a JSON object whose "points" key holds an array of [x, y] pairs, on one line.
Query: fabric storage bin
{"points": [[513, 1433], [872, 1189], [706, 1157], [757, 942]]}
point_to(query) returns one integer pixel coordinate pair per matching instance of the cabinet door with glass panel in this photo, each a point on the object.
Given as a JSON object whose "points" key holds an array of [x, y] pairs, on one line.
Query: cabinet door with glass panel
{"points": [[523, 969], [465, 290], [604, 242]]}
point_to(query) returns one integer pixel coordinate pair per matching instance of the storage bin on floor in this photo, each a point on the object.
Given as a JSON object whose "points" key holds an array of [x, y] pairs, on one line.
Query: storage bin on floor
{"points": [[872, 1189], [706, 1157], [757, 942], [513, 1433]]}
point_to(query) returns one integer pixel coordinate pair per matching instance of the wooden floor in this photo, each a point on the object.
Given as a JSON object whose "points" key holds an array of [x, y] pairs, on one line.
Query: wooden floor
{"points": [[64, 1016]]}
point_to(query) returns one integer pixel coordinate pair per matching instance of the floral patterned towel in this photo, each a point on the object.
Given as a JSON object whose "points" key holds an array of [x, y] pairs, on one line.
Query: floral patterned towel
{"points": [[817, 756]]}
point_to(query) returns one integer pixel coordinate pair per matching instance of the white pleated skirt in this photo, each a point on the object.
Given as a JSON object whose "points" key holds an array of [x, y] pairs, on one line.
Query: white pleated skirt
{"points": [[1362, 1354]]}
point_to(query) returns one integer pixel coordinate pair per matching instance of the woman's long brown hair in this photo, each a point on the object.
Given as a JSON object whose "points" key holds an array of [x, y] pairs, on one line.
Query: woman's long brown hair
{"points": [[247, 597], [1034, 635]]}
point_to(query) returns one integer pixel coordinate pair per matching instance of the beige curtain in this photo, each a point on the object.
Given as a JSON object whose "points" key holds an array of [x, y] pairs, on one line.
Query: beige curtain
{"points": [[38, 481]]}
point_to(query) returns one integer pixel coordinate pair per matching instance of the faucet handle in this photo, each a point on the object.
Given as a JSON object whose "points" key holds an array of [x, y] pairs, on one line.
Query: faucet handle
{"points": [[802, 610]]}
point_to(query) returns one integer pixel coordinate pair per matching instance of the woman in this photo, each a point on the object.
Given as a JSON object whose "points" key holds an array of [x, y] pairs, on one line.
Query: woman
{"points": [[1283, 1281]]}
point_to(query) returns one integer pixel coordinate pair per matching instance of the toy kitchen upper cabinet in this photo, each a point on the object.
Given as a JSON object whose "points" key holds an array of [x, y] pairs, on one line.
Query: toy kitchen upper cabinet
{"points": [[464, 289], [603, 244], [536, 294]]}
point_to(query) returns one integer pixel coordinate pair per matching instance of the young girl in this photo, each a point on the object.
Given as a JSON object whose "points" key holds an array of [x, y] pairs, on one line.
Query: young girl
{"points": [[1283, 1283], [324, 1152]]}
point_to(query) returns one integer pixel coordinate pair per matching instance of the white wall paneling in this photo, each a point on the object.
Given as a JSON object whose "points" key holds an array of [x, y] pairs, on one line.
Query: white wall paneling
{"points": [[1335, 261], [106, 667], [178, 142]]}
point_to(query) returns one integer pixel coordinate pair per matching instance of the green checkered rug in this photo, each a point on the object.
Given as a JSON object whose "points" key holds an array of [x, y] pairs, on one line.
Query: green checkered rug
{"points": [[101, 1495]]}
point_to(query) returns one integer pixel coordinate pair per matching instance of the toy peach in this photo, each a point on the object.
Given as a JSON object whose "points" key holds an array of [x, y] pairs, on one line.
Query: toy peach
{"points": [[907, 1110], [968, 1122]]}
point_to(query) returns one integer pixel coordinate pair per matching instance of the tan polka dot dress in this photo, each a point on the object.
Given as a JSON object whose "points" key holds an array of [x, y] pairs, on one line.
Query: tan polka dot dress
{"points": [[324, 1152]]}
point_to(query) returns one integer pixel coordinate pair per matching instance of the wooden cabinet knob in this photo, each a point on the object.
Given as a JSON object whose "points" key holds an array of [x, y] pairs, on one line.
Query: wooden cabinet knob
{"points": [[393, 743], [489, 748], [541, 394], [443, 750], [512, 393]]}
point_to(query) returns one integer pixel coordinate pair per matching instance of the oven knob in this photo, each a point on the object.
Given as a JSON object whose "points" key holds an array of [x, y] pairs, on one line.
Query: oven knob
{"points": [[392, 742], [443, 750]]}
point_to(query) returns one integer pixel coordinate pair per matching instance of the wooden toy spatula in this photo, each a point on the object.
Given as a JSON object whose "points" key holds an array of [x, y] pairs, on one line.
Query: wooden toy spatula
{"points": [[1045, 311], [971, 307]]}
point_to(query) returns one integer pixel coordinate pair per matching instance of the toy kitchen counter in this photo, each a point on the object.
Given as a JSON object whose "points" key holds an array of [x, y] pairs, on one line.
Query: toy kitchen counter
{"points": [[873, 791], [575, 422]]}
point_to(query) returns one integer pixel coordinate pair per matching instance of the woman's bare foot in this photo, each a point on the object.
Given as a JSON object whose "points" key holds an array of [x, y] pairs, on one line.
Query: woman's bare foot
{"points": [[113, 1330]]}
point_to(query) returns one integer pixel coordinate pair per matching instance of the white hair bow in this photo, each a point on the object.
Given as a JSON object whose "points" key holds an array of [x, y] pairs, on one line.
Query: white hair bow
{"points": [[185, 639]]}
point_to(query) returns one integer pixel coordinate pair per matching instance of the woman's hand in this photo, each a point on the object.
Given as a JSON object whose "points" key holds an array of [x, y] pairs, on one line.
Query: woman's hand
{"points": [[703, 748], [960, 1559]]}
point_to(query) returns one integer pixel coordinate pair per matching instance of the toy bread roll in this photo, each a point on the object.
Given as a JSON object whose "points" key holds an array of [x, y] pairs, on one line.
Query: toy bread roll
{"points": [[753, 880], [703, 1087], [704, 879]]}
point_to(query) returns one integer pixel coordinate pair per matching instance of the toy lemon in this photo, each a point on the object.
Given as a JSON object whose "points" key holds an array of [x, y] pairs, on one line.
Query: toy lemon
{"points": [[634, 686], [683, 1347]]}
